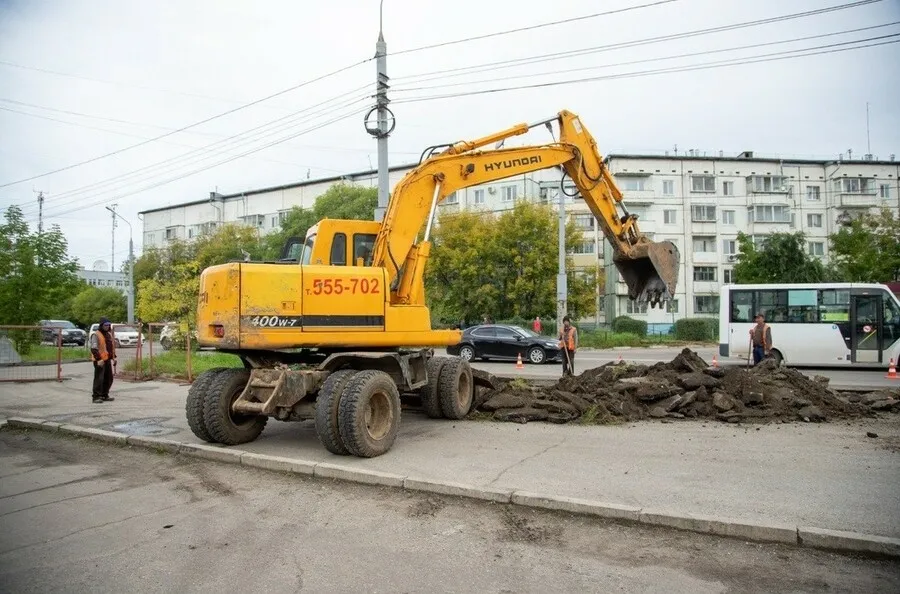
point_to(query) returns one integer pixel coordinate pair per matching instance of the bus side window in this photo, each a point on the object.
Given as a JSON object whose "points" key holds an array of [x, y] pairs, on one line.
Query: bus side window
{"points": [[339, 250], [742, 306]]}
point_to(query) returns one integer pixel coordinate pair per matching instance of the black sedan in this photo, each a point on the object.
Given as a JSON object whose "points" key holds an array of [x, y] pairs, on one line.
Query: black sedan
{"points": [[502, 342]]}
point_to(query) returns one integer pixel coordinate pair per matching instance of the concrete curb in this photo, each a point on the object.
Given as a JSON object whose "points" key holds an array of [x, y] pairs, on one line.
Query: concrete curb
{"points": [[811, 537]]}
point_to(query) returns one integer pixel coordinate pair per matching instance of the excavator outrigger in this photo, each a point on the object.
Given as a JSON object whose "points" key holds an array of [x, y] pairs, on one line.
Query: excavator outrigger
{"points": [[338, 333]]}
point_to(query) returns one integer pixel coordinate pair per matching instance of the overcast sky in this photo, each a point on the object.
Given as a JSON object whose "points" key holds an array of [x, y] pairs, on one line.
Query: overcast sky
{"points": [[82, 78]]}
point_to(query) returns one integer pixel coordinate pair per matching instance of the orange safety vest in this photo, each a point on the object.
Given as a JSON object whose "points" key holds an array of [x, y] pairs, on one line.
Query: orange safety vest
{"points": [[567, 342], [101, 346]]}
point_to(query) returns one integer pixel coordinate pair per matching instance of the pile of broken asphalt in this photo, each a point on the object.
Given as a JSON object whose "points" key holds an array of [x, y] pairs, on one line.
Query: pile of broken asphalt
{"points": [[685, 387]]}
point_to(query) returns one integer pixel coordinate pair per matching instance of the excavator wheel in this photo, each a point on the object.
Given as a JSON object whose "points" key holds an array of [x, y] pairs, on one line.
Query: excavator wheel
{"points": [[369, 414], [456, 389], [224, 426], [193, 406], [328, 405], [431, 403]]}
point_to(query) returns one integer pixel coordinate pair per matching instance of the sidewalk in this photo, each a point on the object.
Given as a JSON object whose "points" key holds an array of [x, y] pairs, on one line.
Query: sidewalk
{"points": [[828, 476]]}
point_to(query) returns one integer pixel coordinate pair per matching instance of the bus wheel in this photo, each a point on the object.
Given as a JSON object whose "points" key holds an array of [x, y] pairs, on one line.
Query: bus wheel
{"points": [[776, 355]]}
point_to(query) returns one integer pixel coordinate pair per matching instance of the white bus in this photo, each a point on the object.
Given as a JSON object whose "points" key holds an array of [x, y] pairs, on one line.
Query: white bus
{"points": [[816, 324]]}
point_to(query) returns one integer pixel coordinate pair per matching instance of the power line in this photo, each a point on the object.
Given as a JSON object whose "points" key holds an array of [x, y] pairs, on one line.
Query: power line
{"points": [[511, 63], [531, 27], [236, 138], [162, 183], [654, 59], [195, 124], [638, 74]]}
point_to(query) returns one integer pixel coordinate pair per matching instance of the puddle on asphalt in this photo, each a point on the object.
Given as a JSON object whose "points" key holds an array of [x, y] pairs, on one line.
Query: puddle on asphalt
{"points": [[151, 427]]}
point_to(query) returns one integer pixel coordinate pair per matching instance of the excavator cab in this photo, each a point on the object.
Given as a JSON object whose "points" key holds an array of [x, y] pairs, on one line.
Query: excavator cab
{"points": [[334, 242]]}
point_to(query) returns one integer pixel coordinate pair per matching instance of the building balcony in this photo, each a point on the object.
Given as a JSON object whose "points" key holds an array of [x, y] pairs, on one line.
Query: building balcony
{"points": [[705, 258], [867, 200], [630, 197]]}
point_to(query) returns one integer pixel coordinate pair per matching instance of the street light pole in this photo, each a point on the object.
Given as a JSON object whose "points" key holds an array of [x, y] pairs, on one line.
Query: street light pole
{"points": [[130, 266], [562, 288], [381, 105]]}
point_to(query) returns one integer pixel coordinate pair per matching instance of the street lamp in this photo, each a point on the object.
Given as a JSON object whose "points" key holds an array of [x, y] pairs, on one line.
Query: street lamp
{"points": [[130, 266]]}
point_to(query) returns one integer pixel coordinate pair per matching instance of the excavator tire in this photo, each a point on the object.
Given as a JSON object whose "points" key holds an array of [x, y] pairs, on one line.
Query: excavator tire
{"points": [[193, 407], [431, 403], [370, 414], [328, 405], [456, 389], [225, 427]]}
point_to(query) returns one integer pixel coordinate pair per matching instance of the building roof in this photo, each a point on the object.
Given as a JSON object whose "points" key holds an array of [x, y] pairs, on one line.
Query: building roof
{"points": [[290, 186], [749, 157]]}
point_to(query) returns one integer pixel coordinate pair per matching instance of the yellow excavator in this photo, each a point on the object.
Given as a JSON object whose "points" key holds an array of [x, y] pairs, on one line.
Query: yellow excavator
{"points": [[338, 331]]}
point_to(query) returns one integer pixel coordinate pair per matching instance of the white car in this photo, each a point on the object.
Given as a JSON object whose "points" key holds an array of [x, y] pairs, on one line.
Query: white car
{"points": [[123, 334]]}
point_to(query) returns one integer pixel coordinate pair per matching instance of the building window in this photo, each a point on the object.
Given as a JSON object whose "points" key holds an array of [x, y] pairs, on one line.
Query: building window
{"points": [[706, 304], [479, 196], [586, 247], [705, 273], [728, 276], [119, 283], [668, 187], [767, 183], [884, 191], [452, 199], [584, 222], [854, 185], [705, 245], [728, 217], [171, 233], [701, 213], [191, 233], [274, 222], [632, 184], [768, 213], [632, 307], [151, 238], [672, 306], [728, 188], [813, 220], [509, 193], [703, 183], [670, 216], [729, 246], [816, 248], [812, 193]]}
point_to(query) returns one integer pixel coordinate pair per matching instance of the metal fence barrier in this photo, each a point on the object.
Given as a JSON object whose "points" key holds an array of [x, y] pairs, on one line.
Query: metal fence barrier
{"points": [[33, 353]]}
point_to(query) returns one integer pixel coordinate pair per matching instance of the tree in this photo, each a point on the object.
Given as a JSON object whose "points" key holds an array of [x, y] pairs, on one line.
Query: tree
{"points": [[783, 258], [503, 266], [867, 249], [93, 303], [37, 272], [340, 201]]}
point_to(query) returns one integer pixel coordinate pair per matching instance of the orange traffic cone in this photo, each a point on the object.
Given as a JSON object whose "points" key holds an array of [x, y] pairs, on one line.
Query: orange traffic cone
{"points": [[715, 361], [892, 371], [519, 364], [620, 359]]}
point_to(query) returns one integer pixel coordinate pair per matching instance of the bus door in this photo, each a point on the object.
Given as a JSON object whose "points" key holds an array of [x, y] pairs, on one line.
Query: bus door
{"points": [[866, 328]]}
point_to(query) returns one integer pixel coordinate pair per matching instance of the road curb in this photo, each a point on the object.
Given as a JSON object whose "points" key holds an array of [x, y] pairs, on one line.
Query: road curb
{"points": [[809, 537]]}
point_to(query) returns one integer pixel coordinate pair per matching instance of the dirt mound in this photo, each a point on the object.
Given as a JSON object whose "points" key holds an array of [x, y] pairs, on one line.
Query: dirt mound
{"points": [[685, 387]]}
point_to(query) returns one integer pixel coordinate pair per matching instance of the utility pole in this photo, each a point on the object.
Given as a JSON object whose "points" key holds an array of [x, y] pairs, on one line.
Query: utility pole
{"points": [[130, 262], [112, 264], [868, 138], [40, 200], [562, 288], [382, 129]]}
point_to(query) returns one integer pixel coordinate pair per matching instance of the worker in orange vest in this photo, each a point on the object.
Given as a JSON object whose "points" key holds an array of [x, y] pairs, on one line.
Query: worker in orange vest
{"points": [[103, 355], [568, 342]]}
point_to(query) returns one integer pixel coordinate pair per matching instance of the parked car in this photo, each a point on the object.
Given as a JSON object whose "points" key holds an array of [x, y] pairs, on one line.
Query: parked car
{"points": [[71, 334], [503, 342], [123, 334], [170, 332]]}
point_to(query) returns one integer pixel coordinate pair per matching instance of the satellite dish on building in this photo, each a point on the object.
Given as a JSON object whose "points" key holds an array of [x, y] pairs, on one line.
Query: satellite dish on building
{"points": [[100, 266]]}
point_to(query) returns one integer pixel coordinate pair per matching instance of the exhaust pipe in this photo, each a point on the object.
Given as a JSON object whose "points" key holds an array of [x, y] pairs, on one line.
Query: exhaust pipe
{"points": [[651, 272]]}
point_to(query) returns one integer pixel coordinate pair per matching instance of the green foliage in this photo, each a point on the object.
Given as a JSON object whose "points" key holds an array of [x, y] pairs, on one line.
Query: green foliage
{"points": [[630, 325], [93, 303], [174, 364], [37, 273], [49, 353], [697, 329], [503, 266], [867, 249], [783, 259]]}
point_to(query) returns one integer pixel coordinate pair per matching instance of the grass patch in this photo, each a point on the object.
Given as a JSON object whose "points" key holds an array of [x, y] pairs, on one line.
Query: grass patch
{"points": [[604, 339], [42, 352], [174, 363], [520, 384]]}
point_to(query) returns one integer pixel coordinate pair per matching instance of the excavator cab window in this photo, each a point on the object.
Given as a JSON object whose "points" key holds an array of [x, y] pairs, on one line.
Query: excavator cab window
{"points": [[339, 250], [363, 246], [307, 249]]}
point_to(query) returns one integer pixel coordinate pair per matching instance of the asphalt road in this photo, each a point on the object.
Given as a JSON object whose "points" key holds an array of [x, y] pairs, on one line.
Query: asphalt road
{"points": [[840, 377], [79, 516]]}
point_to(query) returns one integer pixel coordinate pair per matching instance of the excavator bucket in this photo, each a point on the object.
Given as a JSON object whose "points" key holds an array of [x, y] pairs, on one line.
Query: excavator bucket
{"points": [[650, 271]]}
